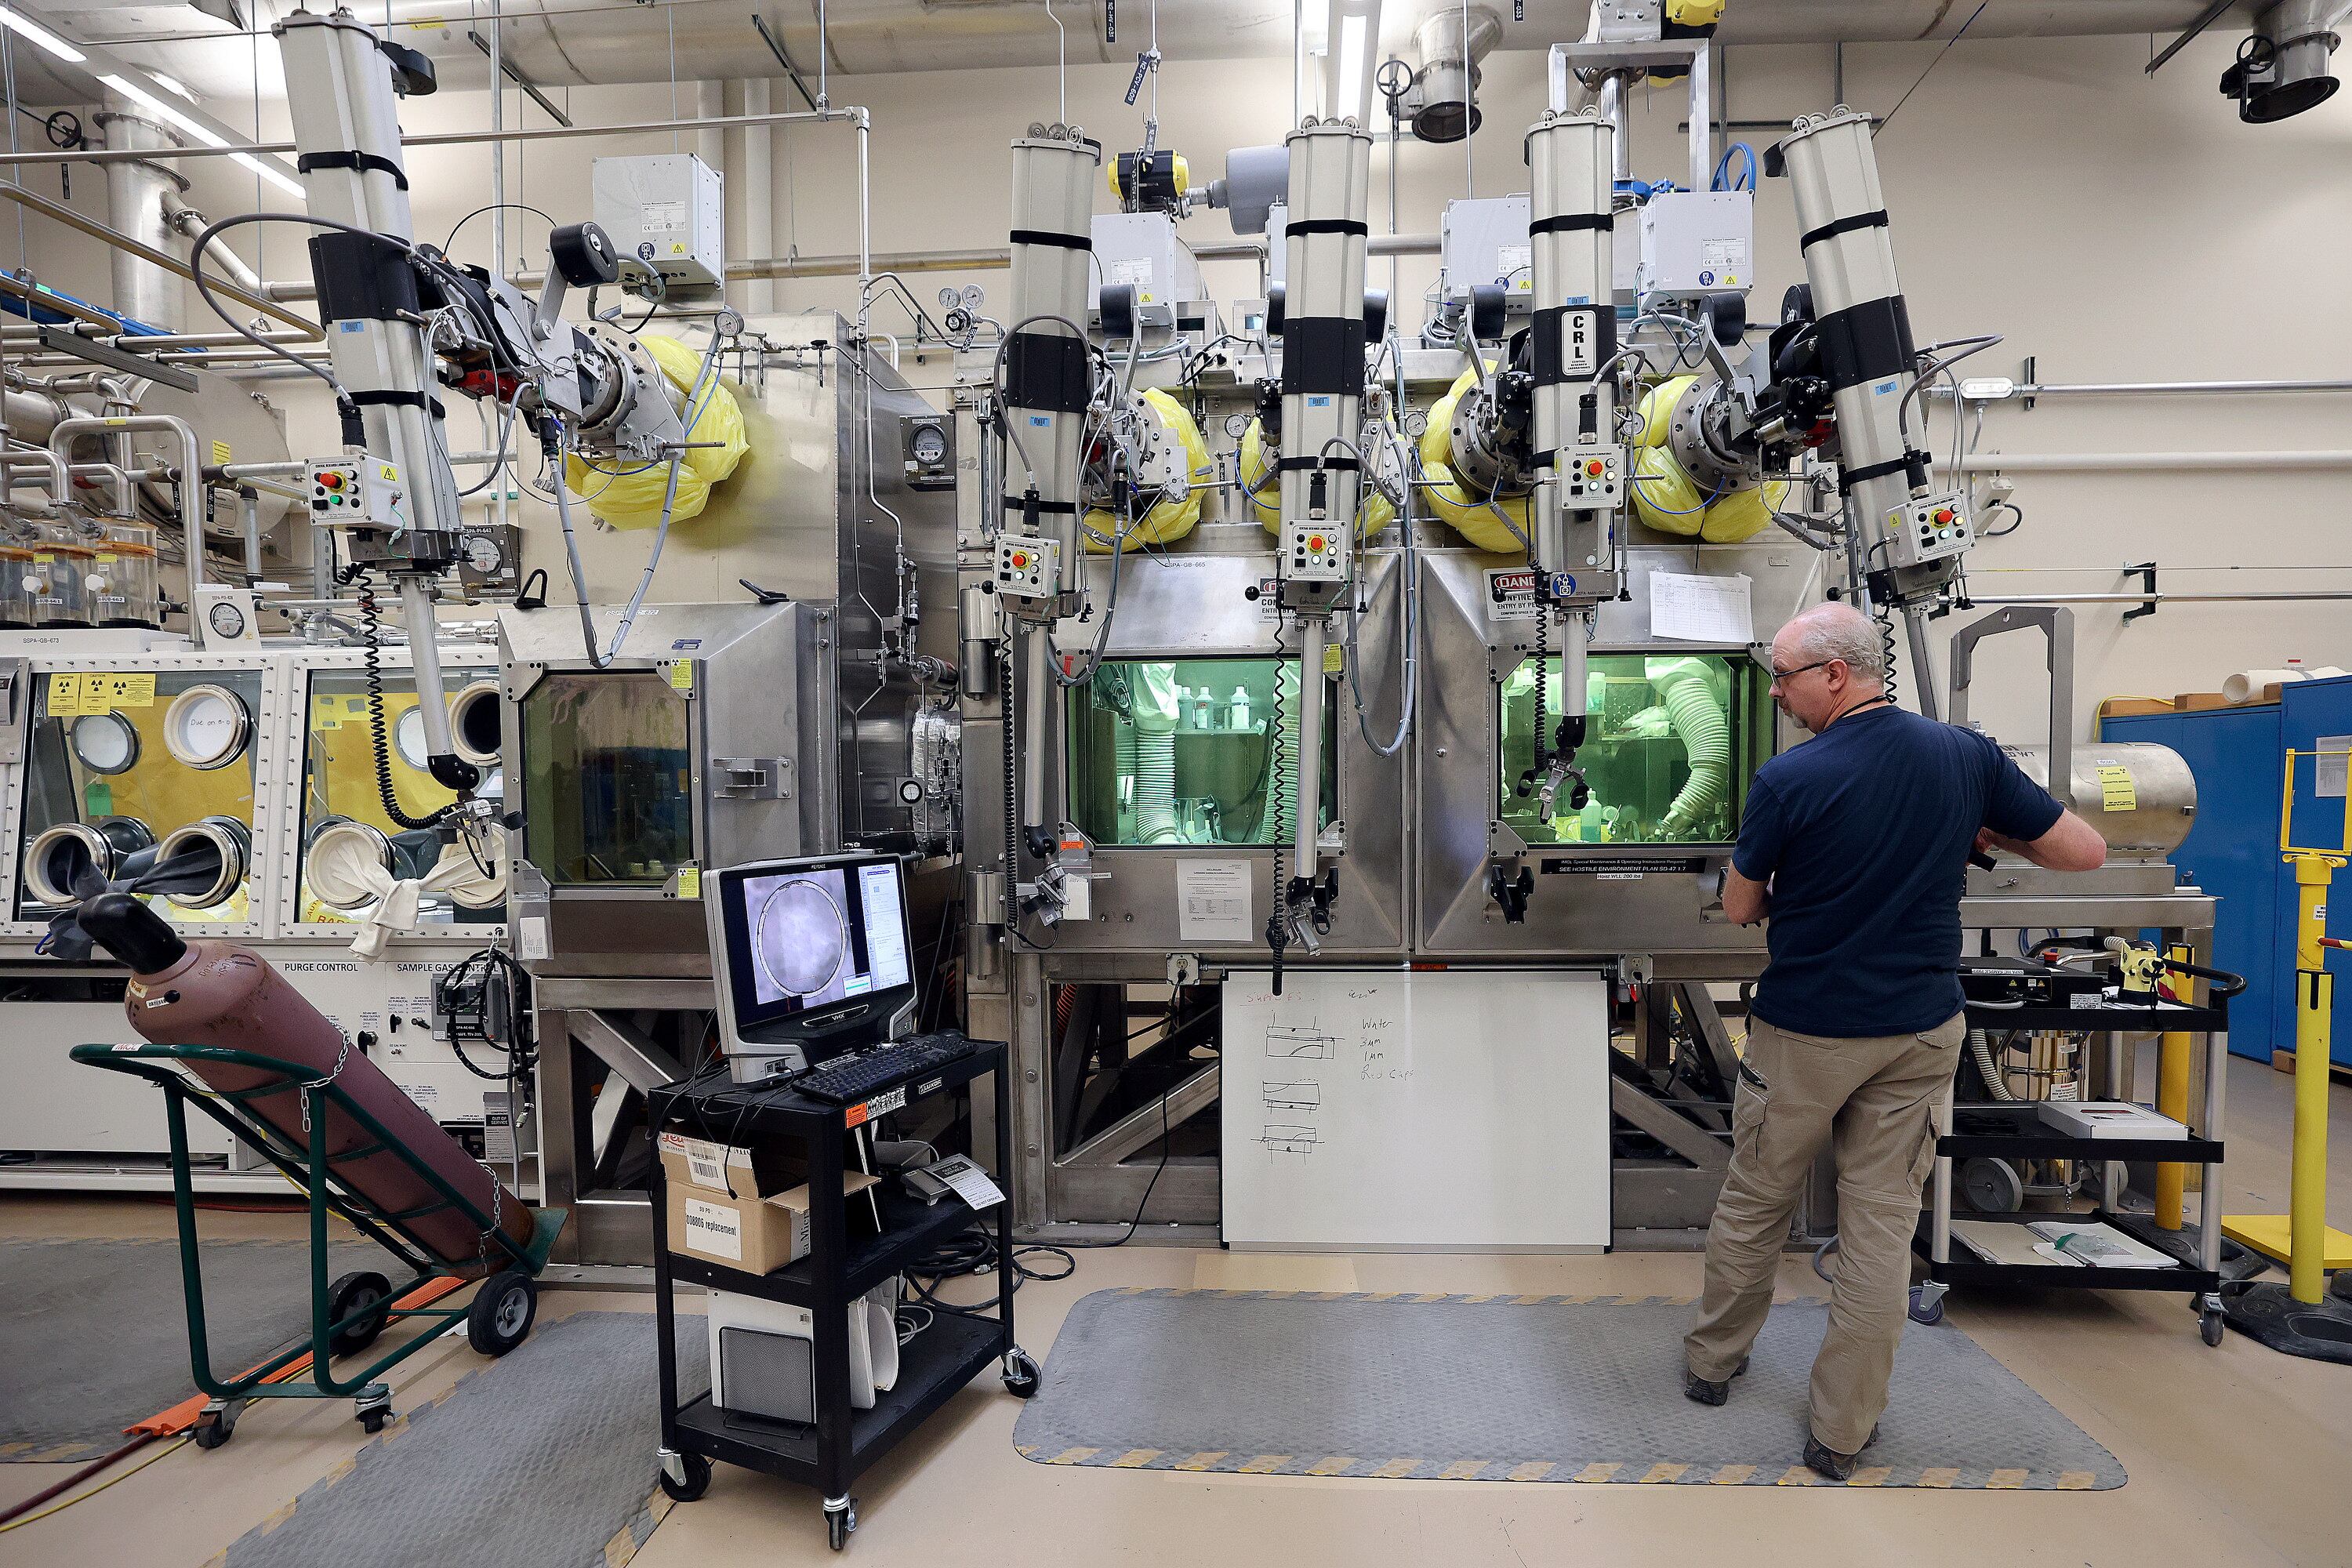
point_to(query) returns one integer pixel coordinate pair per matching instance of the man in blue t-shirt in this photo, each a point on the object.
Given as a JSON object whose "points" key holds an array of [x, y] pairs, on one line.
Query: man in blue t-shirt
{"points": [[1856, 845]]}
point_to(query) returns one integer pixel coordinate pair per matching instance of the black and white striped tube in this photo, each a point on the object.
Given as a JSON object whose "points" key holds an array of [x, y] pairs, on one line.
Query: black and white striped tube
{"points": [[1864, 327], [1322, 419], [1046, 380], [1047, 386]]}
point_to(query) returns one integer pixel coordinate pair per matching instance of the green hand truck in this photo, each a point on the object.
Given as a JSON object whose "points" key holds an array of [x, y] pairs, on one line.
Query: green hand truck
{"points": [[347, 1313]]}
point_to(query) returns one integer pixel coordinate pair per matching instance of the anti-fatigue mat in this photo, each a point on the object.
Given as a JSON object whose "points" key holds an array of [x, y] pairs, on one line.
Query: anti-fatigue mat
{"points": [[544, 1458], [94, 1334], [1519, 1388]]}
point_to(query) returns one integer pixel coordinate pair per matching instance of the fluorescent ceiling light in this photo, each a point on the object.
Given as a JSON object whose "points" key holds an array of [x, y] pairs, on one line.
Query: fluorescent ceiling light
{"points": [[202, 132], [171, 84], [1352, 31], [25, 27]]}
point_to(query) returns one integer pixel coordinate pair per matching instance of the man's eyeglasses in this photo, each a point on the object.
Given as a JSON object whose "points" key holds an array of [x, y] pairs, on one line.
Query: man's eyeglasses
{"points": [[1783, 677]]}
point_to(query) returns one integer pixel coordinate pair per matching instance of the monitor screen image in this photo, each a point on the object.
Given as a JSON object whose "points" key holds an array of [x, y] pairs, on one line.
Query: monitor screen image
{"points": [[823, 935]]}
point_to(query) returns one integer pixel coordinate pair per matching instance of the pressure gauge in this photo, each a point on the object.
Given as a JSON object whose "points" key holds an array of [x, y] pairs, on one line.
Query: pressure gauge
{"points": [[973, 298], [949, 298], [408, 738], [931, 446], [105, 743], [207, 727], [1237, 426], [483, 556], [226, 618]]}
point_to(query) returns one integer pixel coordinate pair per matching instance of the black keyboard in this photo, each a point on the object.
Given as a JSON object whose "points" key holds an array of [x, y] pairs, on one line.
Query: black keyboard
{"points": [[844, 1081]]}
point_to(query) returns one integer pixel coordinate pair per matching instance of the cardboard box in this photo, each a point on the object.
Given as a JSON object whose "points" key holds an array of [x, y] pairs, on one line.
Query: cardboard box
{"points": [[775, 1166], [756, 1235], [2125, 707], [2197, 701]]}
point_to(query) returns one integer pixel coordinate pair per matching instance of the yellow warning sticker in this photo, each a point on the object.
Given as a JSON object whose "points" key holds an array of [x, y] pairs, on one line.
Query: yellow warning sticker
{"points": [[2116, 792], [65, 695], [1335, 656], [681, 675], [120, 690], [221, 452], [690, 881]]}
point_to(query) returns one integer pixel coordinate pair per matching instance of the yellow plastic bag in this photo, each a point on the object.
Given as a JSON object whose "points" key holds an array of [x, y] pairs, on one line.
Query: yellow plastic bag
{"points": [[1668, 500], [1374, 511], [1168, 519], [1476, 518], [629, 494]]}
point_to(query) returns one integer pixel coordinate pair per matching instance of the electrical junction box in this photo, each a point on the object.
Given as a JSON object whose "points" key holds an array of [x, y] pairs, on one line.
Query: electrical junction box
{"points": [[1485, 240], [1143, 249], [1591, 478], [1696, 243], [1028, 568], [1929, 529], [1315, 552], [357, 491], [665, 215]]}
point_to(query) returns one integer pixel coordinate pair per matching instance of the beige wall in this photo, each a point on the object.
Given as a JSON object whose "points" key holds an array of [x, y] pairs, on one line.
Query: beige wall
{"points": [[2114, 226]]}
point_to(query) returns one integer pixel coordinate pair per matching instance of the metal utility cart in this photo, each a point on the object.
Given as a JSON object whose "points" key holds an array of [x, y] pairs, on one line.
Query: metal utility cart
{"points": [[829, 1454], [349, 1312], [2016, 1131]]}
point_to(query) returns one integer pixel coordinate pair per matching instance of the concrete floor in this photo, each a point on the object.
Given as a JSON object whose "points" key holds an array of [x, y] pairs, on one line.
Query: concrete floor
{"points": [[2236, 1455]]}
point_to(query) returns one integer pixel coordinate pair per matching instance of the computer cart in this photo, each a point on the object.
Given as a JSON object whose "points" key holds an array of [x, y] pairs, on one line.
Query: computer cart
{"points": [[349, 1312], [831, 1452], [2015, 1131]]}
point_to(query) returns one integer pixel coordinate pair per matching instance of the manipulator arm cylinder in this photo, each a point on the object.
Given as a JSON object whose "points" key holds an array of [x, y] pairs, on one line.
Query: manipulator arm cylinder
{"points": [[1861, 322], [1574, 336]]}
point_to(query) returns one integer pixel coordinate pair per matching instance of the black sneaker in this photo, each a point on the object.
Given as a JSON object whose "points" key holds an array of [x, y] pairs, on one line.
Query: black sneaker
{"points": [[1826, 1461], [1701, 1391]]}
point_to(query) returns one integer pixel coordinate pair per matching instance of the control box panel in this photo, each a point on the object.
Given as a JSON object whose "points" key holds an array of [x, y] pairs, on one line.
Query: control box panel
{"points": [[357, 491], [1591, 478], [1696, 243], [1314, 551], [1929, 529], [1027, 567]]}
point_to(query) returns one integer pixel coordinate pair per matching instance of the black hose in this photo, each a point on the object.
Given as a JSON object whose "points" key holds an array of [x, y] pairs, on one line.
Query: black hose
{"points": [[370, 658]]}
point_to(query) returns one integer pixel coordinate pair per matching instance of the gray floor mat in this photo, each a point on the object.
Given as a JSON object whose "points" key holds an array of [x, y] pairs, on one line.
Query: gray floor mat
{"points": [[65, 1391], [544, 1458], [1526, 1388]]}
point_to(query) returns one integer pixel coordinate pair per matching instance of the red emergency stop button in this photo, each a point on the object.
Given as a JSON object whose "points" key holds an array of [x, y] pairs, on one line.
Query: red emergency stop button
{"points": [[1020, 560], [334, 481], [1944, 515], [1315, 543], [1593, 468]]}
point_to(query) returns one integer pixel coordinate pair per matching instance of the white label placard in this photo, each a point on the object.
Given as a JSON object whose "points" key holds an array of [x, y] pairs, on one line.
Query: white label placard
{"points": [[530, 936], [1213, 901], [969, 1183], [1515, 263], [712, 1229], [2327, 779], [663, 217], [1510, 594], [1701, 609]]}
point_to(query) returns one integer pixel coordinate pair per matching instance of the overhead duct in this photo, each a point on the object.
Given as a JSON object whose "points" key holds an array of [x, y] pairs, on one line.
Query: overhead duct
{"points": [[2282, 68], [564, 42], [1444, 98]]}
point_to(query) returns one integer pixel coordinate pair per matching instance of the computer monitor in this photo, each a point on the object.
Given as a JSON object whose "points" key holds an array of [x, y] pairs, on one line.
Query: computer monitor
{"points": [[813, 957]]}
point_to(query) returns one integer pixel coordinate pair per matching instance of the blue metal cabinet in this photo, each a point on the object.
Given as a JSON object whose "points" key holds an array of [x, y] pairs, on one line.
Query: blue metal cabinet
{"points": [[2238, 757], [2311, 712]]}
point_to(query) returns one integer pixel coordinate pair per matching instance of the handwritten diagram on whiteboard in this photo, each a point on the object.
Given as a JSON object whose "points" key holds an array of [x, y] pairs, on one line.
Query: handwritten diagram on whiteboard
{"points": [[1416, 1110]]}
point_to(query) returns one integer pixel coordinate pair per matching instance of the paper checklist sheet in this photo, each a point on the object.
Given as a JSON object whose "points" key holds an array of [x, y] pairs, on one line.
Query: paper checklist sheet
{"points": [[1701, 609]]}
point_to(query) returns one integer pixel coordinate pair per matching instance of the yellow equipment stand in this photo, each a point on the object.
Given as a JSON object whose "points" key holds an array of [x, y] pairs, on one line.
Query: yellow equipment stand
{"points": [[2302, 1318]]}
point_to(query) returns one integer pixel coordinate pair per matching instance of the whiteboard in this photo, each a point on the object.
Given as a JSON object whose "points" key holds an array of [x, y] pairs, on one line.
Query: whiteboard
{"points": [[1376, 1110]]}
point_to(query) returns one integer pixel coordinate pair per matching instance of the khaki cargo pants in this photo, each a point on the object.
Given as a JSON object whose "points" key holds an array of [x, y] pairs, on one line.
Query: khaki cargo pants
{"points": [[1876, 1100]]}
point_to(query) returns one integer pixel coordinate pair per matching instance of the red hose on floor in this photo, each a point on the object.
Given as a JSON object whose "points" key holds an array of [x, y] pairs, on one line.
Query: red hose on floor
{"points": [[17, 1510]]}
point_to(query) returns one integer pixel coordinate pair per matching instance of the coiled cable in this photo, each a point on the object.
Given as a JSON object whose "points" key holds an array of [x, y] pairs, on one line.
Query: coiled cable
{"points": [[371, 660]]}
